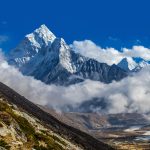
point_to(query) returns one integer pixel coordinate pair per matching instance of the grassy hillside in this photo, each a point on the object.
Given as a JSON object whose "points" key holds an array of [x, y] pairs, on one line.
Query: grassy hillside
{"points": [[18, 130]]}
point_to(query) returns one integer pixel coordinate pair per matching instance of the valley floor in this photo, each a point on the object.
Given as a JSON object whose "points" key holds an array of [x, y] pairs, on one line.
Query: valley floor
{"points": [[133, 138], [129, 145], [121, 131]]}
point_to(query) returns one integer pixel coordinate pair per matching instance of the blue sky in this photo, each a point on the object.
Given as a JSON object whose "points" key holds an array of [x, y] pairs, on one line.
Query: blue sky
{"points": [[115, 23]]}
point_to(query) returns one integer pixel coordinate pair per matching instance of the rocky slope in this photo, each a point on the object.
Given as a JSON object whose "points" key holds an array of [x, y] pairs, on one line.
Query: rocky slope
{"points": [[19, 130], [23, 125]]}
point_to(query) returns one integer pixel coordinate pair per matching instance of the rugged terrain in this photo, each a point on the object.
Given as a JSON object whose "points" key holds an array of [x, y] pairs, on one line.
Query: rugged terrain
{"points": [[19, 130], [23, 125]]}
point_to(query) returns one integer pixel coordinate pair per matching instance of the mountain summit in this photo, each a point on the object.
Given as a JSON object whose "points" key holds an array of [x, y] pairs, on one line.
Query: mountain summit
{"points": [[48, 58], [41, 37], [127, 64], [31, 45], [130, 65]]}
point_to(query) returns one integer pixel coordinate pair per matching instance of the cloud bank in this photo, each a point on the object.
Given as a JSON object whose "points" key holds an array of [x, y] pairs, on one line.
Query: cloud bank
{"points": [[129, 95], [109, 55]]}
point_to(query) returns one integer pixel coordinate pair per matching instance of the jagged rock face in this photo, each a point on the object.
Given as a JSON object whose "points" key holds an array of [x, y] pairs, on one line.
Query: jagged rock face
{"points": [[48, 58], [94, 70]]}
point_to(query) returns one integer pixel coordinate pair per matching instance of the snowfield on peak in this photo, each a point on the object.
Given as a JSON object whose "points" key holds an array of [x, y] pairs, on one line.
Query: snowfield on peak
{"points": [[41, 37], [30, 46]]}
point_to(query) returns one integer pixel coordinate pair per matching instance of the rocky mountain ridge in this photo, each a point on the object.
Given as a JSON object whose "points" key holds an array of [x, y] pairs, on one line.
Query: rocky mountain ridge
{"points": [[49, 59]]}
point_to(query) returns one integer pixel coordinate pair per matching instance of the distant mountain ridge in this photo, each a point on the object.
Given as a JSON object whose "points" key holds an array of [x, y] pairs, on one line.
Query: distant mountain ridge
{"points": [[130, 65], [49, 59]]}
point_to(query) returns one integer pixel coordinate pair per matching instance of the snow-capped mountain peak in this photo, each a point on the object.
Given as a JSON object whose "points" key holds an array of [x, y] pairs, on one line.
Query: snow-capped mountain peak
{"points": [[127, 64], [41, 36], [49, 59], [40, 40]]}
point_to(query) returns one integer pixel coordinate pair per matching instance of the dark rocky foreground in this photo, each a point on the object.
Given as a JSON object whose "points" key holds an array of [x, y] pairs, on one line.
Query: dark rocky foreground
{"points": [[74, 135]]}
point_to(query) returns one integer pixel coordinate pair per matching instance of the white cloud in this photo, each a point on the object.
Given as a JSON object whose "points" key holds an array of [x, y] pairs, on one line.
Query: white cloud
{"points": [[40, 93], [129, 95], [89, 49], [137, 51], [109, 55]]}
